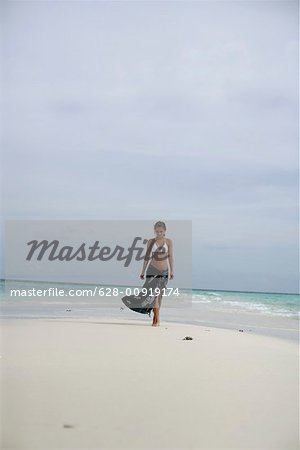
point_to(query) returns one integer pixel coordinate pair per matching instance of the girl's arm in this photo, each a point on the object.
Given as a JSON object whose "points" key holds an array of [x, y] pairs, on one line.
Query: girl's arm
{"points": [[146, 259], [171, 258]]}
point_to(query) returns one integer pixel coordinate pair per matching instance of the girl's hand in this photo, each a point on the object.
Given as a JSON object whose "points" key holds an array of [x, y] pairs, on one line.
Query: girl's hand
{"points": [[171, 276], [142, 276]]}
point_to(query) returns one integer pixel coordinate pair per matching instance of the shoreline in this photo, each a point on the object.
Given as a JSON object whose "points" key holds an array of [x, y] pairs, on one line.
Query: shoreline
{"points": [[286, 333]]}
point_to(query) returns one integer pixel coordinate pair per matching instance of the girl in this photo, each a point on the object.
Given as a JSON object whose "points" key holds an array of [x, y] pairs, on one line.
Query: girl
{"points": [[159, 252], [161, 249]]}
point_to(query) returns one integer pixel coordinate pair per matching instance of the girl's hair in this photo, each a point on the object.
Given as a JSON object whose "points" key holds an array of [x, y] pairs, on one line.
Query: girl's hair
{"points": [[160, 224]]}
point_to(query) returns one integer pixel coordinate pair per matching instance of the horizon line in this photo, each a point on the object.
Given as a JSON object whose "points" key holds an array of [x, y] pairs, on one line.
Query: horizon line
{"points": [[193, 289]]}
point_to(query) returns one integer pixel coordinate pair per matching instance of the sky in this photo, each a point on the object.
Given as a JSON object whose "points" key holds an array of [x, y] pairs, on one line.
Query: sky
{"points": [[160, 110]]}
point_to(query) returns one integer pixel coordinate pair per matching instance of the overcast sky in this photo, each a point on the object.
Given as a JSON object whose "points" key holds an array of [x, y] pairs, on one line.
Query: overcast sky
{"points": [[160, 110]]}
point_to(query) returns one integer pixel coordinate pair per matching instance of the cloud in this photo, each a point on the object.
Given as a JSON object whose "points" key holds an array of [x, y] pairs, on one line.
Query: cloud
{"points": [[169, 109]]}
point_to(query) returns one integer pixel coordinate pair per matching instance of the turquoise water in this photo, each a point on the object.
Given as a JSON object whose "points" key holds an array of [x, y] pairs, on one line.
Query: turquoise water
{"points": [[282, 305], [264, 304]]}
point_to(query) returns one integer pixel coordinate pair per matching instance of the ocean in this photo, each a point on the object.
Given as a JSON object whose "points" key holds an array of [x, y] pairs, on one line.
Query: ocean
{"points": [[275, 314]]}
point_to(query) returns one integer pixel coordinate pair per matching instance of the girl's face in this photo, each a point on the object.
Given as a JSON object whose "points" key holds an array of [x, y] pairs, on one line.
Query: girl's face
{"points": [[159, 231]]}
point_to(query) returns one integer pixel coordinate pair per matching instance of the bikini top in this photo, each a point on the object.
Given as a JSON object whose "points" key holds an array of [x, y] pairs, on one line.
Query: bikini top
{"points": [[160, 249]]}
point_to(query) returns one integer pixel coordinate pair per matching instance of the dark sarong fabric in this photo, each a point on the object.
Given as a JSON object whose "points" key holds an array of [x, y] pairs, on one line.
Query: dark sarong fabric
{"points": [[144, 302]]}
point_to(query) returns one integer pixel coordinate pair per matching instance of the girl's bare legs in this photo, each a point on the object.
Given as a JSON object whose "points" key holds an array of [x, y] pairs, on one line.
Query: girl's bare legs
{"points": [[156, 308]]}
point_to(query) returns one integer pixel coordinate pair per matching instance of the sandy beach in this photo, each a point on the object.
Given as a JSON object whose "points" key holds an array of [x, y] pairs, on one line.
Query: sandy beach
{"points": [[112, 384]]}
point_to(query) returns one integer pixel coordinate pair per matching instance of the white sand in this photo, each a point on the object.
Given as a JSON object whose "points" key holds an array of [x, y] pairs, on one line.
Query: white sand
{"points": [[126, 385]]}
